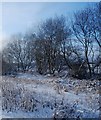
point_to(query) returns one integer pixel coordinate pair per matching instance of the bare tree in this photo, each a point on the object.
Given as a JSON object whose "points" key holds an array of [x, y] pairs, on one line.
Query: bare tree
{"points": [[52, 32], [82, 30], [19, 52], [12, 53], [97, 23], [96, 33]]}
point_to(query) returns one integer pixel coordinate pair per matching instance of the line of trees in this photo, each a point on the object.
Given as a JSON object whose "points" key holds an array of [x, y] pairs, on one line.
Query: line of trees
{"points": [[57, 44]]}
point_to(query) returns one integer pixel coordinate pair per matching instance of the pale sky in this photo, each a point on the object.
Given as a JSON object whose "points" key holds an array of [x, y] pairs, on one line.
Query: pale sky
{"points": [[21, 16]]}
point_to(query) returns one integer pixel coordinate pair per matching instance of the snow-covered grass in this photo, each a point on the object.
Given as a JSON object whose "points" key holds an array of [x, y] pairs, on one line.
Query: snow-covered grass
{"points": [[28, 96]]}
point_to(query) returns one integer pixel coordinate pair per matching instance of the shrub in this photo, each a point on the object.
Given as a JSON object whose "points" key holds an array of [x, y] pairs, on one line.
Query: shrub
{"points": [[78, 70]]}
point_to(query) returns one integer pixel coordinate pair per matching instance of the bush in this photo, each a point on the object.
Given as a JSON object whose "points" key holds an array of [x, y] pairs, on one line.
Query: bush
{"points": [[8, 68], [78, 70], [66, 112]]}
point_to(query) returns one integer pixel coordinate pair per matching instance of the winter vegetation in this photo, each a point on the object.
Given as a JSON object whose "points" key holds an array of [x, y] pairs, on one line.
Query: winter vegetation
{"points": [[54, 72], [49, 97]]}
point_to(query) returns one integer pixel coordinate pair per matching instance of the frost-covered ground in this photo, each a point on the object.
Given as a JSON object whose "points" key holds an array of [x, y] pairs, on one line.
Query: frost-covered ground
{"points": [[37, 96]]}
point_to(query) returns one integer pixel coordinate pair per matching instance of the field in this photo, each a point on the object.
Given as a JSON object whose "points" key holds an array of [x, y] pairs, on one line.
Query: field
{"points": [[37, 96]]}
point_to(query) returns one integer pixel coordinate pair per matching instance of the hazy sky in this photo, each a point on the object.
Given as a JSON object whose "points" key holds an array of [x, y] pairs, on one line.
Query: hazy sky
{"points": [[19, 17]]}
